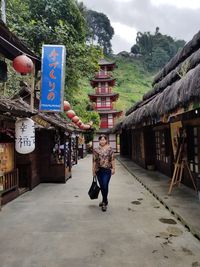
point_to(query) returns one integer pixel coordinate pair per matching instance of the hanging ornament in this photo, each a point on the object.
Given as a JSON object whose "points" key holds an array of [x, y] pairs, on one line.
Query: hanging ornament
{"points": [[87, 126], [70, 114], [75, 119], [79, 123], [23, 64], [82, 126], [66, 106]]}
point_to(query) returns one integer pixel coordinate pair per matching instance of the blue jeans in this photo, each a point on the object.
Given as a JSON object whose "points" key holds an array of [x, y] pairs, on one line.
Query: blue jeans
{"points": [[103, 176]]}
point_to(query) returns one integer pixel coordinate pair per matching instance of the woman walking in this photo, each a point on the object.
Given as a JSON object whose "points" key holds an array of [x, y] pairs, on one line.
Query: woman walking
{"points": [[103, 167]]}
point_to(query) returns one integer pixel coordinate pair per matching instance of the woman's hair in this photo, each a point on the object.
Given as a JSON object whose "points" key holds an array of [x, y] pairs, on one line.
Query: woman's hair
{"points": [[103, 136]]}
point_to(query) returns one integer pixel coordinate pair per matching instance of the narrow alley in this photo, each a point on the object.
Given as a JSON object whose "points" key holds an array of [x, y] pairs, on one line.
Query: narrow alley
{"points": [[57, 225]]}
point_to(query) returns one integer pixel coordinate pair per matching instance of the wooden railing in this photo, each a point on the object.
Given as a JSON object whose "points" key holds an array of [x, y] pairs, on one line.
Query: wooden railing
{"points": [[97, 107], [103, 90], [103, 74], [9, 181]]}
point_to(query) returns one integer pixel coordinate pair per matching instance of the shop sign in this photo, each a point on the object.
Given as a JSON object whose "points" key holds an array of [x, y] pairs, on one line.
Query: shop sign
{"points": [[41, 122], [53, 77], [24, 136]]}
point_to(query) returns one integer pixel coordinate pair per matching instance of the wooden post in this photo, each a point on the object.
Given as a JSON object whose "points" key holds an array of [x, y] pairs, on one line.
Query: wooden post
{"points": [[32, 88]]}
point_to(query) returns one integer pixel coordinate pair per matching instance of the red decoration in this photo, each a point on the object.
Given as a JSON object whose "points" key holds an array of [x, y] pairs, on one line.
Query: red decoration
{"points": [[23, 64], [79, 123], [82, 126], [66, 106], [87, 126], [75, 119], [70, 114]]}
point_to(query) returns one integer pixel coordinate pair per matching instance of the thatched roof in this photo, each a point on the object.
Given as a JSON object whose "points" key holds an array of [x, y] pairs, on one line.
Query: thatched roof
{"points": [[15, 108], [176, 86], [56, 120], [53, 118], [179, 94], [189, 63], [184, 53], [116, 128]]}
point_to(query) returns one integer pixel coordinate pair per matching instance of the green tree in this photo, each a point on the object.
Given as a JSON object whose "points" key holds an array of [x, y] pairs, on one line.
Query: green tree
{"points": [[158, 59], [157, 49], [99, 30], [135, 49], [145, 43], [55, 22]]}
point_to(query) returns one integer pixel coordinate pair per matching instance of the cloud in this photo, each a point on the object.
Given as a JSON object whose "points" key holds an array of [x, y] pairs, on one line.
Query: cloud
{"points": [[180, 22], [119, 44], [126, 32]]}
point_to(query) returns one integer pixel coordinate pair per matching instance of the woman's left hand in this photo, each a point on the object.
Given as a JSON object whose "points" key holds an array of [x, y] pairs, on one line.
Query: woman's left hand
{"points": [[113, 171]]}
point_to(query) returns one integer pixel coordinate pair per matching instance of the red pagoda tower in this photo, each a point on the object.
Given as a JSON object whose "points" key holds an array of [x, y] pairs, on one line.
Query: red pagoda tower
{"points": [[103, 99]]}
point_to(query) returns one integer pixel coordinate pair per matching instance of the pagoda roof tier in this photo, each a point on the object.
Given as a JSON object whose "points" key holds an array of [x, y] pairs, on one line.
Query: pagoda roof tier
{"points": [[114, 96], [109, 65], [113, 111], [110, 81]]}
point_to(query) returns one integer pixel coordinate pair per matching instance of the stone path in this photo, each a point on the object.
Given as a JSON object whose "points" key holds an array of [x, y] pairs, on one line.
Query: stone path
{"points": [[57, 225]]}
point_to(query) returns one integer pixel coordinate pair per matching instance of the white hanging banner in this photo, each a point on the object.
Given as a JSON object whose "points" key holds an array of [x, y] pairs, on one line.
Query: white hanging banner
{"points": [[24, 136]]}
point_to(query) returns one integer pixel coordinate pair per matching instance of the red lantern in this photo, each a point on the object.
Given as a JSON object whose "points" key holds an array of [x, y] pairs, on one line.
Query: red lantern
{"points": [[87, 126], [70, 114], [75, 119], [82, 126], [66, 106], [23, 64], [79, 123]]}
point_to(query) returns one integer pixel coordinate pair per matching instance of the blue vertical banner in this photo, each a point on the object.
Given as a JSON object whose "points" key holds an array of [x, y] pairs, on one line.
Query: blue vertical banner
{"points": [[53, 78]]}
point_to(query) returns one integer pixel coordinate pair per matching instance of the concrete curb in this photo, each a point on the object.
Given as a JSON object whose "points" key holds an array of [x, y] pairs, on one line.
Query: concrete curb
{"points": [[163, 202]]}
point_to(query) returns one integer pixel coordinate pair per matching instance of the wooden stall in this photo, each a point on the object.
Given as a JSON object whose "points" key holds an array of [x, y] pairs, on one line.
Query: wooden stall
{"points": [[9, 172], [55, 155], [164, 125]]}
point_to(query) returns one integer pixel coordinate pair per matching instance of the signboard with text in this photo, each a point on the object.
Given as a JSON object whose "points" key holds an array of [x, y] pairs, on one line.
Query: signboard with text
{"points": [[53, 78]]}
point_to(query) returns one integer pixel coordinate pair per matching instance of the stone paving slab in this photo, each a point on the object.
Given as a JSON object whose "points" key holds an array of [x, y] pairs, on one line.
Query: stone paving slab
{"points": [[57, 225], [183, 201]]}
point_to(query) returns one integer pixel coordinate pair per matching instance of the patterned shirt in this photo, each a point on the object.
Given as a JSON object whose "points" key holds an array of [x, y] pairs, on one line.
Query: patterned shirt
{"points": [[103, 157]]}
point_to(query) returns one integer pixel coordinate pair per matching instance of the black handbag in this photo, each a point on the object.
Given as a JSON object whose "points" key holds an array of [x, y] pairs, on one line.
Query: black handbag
{"points": [[94, 189]]}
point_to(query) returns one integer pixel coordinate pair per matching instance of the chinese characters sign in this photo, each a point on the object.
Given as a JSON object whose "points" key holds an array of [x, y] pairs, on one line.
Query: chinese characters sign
{"points": [[24, 136], [53, 77]]}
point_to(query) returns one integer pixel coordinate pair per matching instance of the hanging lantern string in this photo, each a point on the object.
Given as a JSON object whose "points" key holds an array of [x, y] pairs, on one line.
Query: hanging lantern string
{"points": [[18, 48]]}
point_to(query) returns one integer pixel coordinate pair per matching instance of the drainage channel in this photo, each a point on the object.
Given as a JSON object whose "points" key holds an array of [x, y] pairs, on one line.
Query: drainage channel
{"points": [[176, 215]]}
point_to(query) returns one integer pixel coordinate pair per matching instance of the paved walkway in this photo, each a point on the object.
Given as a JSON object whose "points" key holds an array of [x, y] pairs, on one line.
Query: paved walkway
{"points": [[57, 225], [183, 202]]}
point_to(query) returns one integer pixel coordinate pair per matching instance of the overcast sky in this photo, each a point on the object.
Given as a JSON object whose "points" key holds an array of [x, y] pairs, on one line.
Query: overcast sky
{"points": [[177, 18]]}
